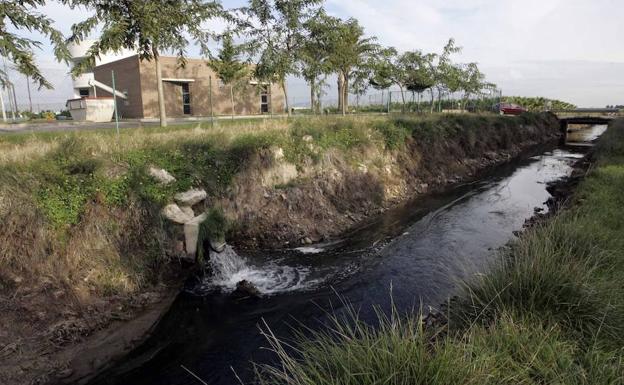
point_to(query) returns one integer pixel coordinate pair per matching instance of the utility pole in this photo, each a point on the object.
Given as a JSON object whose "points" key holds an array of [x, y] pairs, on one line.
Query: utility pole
{"points": [[4, 117], [29, 96]]}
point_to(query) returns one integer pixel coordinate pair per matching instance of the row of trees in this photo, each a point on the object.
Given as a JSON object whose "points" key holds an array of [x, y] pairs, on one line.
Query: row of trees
{"points": [[539, 103], [280, 37]]}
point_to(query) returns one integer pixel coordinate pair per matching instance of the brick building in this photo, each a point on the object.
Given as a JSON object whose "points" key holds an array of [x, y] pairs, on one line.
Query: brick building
{"points": [[194, 90]]}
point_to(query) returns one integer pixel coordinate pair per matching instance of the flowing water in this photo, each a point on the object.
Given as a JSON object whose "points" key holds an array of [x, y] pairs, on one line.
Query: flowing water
{"points": [[415, 254]]}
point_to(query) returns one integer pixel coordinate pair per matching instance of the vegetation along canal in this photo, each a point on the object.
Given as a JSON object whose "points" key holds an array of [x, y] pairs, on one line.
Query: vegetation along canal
{"points": [[413, 256]]}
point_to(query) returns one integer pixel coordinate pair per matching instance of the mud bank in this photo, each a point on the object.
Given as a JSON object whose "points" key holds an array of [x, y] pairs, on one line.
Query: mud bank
{"points": [[88, 267], [325, 199]]}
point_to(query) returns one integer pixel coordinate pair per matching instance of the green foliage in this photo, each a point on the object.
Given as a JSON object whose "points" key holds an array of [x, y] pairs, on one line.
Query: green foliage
{"points": [[350, 53], [314, 56], [394, 133], [149, 26], [22, 16], [537, 104], [216, 224], [227, 64], [278, 37], [64, 203], [68, 182], [214, 229], [400, 351]]}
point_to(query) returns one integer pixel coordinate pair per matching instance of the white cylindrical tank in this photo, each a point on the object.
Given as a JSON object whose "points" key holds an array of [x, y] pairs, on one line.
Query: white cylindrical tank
{"points": [[83, 84]]}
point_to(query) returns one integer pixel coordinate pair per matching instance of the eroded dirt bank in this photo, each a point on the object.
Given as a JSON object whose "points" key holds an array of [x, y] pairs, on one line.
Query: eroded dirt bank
{"points": [[117, 260], [276, 204]]}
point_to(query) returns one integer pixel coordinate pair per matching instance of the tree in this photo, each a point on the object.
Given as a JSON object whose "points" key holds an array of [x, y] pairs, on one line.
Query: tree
{"points": [[276, 28], [360, 81], [410, 71], [420, 76], [445, 72], [229, 69], [381, 71], [350, 51], [473, 81], [314, 56], [22, 15], [149, 27]]}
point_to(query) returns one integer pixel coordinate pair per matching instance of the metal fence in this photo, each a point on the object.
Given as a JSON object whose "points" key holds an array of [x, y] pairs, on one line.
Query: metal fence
{"points": [[407, 101]]}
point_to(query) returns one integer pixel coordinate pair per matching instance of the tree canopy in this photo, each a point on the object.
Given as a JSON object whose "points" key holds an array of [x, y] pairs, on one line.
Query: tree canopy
{"points": [[350, 51], [22, 15], [148, 27], [276, 35], [228, 66]]}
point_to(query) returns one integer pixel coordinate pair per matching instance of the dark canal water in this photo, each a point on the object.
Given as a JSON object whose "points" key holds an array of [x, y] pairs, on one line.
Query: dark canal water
{"points": [[419, 252]]}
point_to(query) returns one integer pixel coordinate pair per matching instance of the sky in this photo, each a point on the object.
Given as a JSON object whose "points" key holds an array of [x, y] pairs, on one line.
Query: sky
{"points": [[571, 50]]}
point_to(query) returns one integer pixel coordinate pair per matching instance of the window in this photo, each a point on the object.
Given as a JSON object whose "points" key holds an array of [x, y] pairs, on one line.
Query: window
{"points": [[84, 92], [264, 100], [186, 99]]}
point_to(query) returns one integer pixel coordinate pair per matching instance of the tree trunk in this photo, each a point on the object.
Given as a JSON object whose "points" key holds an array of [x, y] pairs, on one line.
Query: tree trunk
{"points": [[161, 91], [340, 92], [432, 100], [402, 99], [439, 100], [312, 97], [14, 101], [418, 103], [232, 99], [286, 97], [345, 95], [318, 106]]}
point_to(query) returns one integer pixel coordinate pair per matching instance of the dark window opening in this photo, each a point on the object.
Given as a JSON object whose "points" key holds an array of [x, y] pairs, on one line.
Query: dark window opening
{"points": [[84, 92], [186, 99], [264, 100]]}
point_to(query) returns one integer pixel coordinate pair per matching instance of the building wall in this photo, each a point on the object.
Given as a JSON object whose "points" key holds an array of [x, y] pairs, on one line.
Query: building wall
{"points": [[128, 81], [246, 100]]}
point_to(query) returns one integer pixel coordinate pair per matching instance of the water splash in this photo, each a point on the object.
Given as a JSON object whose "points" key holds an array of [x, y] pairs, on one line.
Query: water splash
{"points": [[229, 268]]}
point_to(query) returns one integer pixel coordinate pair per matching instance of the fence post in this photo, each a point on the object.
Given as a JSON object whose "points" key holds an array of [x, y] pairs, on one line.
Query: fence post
{"points": [[210, 96], [4, 117], [115, 103]]}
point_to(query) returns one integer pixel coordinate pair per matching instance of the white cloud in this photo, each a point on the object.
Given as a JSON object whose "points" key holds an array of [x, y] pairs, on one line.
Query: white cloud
{"points": [[569, 45]]}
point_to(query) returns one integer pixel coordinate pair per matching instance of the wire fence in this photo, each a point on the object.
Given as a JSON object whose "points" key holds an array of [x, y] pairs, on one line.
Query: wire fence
{"points": [[407, 101]]}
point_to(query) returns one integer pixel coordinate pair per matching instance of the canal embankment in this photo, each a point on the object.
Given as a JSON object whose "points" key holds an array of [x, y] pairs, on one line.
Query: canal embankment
{"points": [[550, 310], [85, 246]]}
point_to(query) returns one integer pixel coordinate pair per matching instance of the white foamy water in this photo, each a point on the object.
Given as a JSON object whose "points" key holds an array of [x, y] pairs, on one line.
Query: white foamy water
{"points": [[229, 268], [309, 250]]}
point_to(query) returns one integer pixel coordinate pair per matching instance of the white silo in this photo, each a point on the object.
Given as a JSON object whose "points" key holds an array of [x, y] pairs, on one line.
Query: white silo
{"points": [[84, 85]]}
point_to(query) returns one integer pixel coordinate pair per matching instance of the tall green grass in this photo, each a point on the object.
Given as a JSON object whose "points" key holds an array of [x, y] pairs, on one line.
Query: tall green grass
{"points": [[551, 311]]}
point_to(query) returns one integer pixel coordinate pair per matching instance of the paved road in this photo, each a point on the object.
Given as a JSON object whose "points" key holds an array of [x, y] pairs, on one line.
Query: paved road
{"points": [[69, 125]]}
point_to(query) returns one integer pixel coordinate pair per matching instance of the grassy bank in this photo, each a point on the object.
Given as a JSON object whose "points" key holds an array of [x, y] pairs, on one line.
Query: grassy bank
{"points": [[81, 207], [550, 312], [83, 241]]}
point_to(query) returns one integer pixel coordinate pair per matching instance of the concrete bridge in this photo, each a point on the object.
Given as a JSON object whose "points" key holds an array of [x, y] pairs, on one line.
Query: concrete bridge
{"points": [[591, 116]]}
